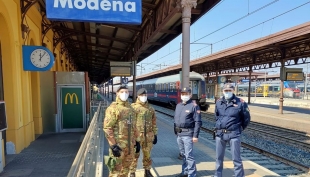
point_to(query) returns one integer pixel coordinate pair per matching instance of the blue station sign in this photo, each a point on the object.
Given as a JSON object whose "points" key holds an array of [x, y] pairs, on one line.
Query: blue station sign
{"points": [[100, 11]]}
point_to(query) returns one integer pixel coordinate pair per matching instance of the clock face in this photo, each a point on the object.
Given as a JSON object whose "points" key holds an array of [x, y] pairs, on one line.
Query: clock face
{"points": [[40, 58]]}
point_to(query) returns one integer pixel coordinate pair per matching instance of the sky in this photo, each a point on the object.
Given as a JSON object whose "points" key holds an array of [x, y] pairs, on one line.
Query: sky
{"points": [[222, 27]]}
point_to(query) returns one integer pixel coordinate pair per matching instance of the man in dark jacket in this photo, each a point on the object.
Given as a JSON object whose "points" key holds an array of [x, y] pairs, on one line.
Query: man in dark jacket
{"points": [[187, 123], [232, 117]]}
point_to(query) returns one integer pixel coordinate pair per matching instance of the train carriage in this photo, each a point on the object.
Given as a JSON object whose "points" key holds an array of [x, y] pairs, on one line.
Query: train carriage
{"points": [[167, 89]]}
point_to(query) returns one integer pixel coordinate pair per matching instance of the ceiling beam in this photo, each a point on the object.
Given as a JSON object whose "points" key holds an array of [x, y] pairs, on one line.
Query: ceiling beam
{"points": [[148, 5], [126, 27], [73, 32], [155, 43], [168, 31], [97, 45]]}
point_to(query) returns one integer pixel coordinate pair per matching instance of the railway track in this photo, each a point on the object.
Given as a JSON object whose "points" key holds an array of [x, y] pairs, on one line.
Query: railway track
{"points": [[260, 128], [289, 136]]}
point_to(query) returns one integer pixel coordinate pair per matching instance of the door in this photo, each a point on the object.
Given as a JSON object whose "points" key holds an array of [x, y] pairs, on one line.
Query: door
{"points": [[71, 105], [194, 90]]}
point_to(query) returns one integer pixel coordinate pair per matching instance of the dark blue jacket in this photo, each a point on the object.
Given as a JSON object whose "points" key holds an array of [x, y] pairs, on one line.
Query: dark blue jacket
{"points": [[188, 116], [232, 116]]}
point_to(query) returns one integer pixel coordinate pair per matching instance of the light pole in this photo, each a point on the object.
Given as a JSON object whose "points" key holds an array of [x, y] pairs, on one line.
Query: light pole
{"points": [[193, 43]]}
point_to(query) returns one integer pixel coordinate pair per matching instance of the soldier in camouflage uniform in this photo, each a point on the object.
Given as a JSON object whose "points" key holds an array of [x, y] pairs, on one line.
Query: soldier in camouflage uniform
{"points": [[146, 125], [121, 133]]}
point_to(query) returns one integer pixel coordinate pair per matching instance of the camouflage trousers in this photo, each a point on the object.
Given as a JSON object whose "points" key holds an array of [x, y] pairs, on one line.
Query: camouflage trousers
{"points": [[146, 148], [123, 162]]}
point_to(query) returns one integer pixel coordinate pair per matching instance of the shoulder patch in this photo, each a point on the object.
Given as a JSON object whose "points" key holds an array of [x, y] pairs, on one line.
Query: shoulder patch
{"points": [[194, 102], [198, 111], [242, 100]]}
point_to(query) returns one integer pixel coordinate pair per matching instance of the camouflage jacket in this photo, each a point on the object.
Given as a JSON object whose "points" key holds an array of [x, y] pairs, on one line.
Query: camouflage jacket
{"points": [[146, 117], [120, 117]]}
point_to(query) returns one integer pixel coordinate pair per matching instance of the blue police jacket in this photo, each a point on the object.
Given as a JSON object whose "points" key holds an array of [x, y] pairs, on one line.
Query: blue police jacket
{"points": [[231, 115], [188, 116]]}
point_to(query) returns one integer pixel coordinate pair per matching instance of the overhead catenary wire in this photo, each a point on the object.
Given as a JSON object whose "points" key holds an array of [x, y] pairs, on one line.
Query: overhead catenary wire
{"points": [[239, 31], [253, 12]]}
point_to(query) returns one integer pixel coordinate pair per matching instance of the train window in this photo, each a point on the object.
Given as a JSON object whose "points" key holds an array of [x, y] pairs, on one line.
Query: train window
{"points": [[172, 86], [276, 88], [271, 88]]}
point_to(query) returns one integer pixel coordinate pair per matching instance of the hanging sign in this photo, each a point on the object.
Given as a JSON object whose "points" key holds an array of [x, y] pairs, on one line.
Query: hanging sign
{"points": [[101, 11]]}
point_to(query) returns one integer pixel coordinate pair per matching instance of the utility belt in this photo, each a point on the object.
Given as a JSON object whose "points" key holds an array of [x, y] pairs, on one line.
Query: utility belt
{"points": [[180, 130], [221, 130]]}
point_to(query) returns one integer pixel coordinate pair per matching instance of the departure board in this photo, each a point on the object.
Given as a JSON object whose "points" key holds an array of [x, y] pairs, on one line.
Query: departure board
{"points": [[294, 76], [120, 71]]}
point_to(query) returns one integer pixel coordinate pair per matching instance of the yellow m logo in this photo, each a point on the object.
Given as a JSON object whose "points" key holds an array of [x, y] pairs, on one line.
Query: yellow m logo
{"points": [[71, 98]]}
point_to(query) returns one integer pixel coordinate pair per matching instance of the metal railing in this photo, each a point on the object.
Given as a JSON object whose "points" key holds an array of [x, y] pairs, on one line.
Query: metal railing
{"points": [[89, 159]]}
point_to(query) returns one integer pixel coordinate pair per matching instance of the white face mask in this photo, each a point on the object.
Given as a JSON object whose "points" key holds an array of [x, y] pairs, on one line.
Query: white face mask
{"points": [[185, 98], [143, 99], [123, 96], [228, 95]]}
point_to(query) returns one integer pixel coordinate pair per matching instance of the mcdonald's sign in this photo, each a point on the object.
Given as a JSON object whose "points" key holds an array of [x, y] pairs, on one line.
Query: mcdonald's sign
{"points": [[71, 96]]}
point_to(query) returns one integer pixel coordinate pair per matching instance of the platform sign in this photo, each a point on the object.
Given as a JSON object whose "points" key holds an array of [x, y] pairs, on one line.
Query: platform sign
{"points": [[294, 76], [101, 11], [121, 68], [291, 74]]}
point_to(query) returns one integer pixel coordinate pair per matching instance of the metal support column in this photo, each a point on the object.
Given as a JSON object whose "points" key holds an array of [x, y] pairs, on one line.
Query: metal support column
{"points": [[281, 92], [187, 6], [134, 93], [216, 86], [250, 80]]}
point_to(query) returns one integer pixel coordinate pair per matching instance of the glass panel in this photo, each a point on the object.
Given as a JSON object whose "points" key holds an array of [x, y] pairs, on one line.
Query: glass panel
{"points": [[70, 77]]}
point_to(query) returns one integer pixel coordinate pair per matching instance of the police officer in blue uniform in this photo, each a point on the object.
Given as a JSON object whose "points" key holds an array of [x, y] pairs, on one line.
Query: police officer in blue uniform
{"points": [[232, 117], [187, 123]]}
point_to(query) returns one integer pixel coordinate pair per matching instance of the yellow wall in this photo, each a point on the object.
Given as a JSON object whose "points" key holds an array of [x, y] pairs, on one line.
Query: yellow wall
{"points": [[22, 88]]}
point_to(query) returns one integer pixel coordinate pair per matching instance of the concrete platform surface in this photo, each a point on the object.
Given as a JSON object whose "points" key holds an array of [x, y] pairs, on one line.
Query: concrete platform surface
{"points": [[51, 155], [166, 163], [302, 103]]}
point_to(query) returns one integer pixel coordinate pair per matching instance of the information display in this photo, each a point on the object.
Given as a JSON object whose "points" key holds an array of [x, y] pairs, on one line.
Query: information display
{"points": [[120, 71], [294, 76]]}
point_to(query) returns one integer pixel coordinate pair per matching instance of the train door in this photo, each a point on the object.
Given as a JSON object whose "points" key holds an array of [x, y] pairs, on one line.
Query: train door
{"points": [[195, 90], [265, 90]]}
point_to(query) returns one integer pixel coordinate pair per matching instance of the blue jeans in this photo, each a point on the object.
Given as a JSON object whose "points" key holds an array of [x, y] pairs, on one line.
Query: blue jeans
{"points": [[235, 144], [186, 148]]}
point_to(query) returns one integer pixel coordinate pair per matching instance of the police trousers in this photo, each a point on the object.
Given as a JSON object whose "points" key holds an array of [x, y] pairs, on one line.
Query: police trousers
{"points": [[235, 145], [185, 144]]}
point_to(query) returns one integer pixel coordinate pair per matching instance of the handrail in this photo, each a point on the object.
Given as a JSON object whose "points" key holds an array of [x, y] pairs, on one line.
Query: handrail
{"points": [[89, 159]]}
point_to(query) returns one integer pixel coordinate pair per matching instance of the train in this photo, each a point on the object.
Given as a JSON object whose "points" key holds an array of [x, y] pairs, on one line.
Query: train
{"points": [[269, 89], [167, 89]]}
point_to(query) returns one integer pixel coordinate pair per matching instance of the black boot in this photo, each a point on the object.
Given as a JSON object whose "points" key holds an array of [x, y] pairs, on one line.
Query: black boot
{"points": [[147, 173], [132, 174]]}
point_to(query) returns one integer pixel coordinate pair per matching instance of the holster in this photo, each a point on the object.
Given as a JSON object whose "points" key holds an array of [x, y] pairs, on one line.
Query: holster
{"points": [[178, 129], [214, 132]]}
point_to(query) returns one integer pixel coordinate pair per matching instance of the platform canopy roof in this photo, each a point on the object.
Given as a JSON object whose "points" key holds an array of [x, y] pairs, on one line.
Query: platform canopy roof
{"points": [[91, 46]]}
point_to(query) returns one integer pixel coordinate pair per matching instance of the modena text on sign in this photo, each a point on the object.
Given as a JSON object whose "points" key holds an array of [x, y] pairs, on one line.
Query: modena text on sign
{"points": [[104, 11]]}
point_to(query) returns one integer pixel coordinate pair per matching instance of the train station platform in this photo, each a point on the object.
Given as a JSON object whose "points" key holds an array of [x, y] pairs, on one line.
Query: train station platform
{"points": [[264, 111], [165, 160], [51, 155], [302, 103]]}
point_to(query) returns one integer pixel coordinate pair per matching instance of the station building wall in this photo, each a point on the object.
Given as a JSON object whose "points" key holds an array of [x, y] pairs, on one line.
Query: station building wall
{"points": [[21, 90]]}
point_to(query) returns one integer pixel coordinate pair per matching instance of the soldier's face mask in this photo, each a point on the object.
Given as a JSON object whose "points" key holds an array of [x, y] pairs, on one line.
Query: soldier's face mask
{"points": [[123, 95], [143, 98]]}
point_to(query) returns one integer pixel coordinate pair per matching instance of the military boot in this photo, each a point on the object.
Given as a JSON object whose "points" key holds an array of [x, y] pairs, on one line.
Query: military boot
{"points": [[132, 174], [147, 173]]}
